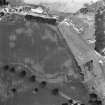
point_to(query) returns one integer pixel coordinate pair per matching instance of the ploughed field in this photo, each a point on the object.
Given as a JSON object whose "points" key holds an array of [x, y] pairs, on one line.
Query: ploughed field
{"points": [[35, 49]]}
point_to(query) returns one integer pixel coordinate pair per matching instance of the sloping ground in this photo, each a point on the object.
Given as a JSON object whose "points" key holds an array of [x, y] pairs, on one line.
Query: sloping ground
{"points": [[32, 43], [62, 5]]}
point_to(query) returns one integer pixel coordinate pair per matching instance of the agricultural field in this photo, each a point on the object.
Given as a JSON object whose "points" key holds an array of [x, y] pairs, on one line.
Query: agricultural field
{"points": [[51, 57], [37, 49]]}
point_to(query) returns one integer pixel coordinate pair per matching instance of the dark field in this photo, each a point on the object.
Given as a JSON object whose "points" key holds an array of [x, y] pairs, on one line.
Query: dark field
{"points": [[100, 31], [43, 49]]}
